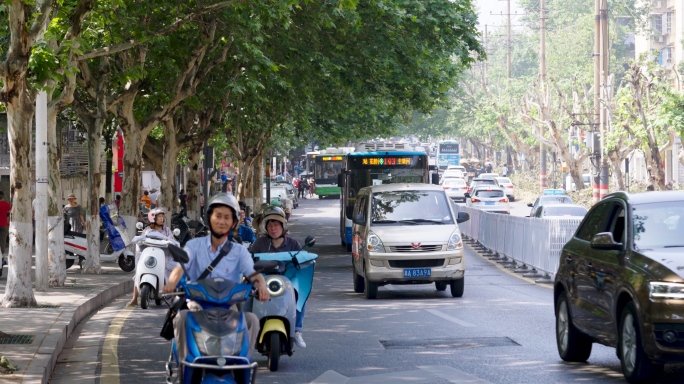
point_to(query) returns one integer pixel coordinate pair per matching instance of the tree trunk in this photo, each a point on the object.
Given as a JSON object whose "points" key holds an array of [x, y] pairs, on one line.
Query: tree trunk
{"points": [[92, 261], [170, 159], [192, 188], [20, 111], [134, 142], [56, 253]]}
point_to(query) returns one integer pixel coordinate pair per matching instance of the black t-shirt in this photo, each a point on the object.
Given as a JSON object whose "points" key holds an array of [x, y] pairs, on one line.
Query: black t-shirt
{"points": [[263, 245]]}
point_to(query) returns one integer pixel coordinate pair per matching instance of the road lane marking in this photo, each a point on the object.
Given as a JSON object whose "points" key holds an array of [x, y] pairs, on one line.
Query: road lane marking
{"points": [[449, 318], [110, 358]]}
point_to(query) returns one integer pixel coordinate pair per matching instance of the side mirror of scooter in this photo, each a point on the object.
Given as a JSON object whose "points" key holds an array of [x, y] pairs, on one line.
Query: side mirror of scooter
{"points": [[176, 232], [178, 254], [310, 241], [262, 266], [139, 225]]}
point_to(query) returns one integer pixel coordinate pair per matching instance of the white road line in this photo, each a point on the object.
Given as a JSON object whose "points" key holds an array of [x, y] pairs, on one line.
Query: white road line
{"points": [[450, 318]]}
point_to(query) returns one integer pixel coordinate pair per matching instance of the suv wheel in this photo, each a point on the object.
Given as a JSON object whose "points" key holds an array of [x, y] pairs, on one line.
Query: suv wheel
{"points": [[370, 288], [358, 280], [636, 366], [457, 287], [572, 344]]}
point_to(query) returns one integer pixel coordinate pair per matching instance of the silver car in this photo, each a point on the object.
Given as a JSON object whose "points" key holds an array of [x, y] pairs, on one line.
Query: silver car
{"points": [[488, 198], [406, 234], [507, 185], [455, 188]]}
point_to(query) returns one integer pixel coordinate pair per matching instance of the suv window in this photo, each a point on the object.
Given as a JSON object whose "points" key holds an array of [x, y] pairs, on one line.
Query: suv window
{"points": [[485, 193], [595, 221]]}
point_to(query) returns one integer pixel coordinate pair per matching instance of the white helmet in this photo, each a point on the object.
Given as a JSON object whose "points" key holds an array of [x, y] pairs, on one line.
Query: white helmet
{"points": [[152, 215], [222, 199], [273, 213]]}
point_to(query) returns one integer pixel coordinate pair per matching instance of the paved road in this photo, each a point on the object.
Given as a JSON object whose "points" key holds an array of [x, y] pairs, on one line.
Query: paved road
{"points": [[500, 331]]}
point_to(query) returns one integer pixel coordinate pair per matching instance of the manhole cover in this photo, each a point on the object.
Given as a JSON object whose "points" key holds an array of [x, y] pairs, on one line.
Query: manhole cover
{"points": [[16, 339], [466, 343]]}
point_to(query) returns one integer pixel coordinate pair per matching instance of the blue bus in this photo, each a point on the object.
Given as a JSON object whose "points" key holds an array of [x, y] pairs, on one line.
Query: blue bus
{"points": [[375, 164], [448, 153]]}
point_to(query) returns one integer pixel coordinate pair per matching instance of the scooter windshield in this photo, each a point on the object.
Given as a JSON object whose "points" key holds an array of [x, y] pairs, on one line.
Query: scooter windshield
{"points": [[217, 291]]}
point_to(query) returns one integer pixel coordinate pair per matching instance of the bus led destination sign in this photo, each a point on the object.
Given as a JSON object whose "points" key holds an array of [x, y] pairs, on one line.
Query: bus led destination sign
{"points": [[331, 158], [386, 161]]}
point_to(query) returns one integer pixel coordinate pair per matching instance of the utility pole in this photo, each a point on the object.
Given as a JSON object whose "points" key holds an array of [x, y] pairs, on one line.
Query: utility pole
{"points": [[605, 45], [542, 87], [508, 45], [41, 204], [596, 145]]}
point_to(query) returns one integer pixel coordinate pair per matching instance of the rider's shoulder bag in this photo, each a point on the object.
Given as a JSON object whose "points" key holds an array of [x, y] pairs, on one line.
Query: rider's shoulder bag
{"points": [[167, 328]]}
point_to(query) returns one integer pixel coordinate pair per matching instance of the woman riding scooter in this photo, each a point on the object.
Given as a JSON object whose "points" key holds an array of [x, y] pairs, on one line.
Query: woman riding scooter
{"points": [[274, 226], [156, 218]]}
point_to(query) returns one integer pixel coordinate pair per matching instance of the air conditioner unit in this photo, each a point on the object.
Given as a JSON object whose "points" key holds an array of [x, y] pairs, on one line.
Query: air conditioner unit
{"points": [[657, 4]]}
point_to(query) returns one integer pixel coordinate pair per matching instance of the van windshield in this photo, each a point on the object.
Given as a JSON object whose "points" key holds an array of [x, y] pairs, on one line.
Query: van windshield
{"points": [[410, 208]]}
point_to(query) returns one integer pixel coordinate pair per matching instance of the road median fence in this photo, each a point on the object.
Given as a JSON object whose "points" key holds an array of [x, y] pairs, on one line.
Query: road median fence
{"points": [[530, 246]]}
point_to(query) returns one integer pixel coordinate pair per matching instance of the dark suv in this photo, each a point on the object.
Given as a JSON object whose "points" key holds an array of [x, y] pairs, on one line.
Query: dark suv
{"points": [[621, 283]]}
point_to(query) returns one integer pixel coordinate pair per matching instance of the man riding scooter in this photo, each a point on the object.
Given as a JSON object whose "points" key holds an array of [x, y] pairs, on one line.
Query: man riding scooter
{"points": [[216, 255]]}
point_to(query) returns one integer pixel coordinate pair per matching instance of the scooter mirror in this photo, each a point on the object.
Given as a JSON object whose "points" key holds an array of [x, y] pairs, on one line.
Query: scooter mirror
{"points": [[310, 241], [139, 225], [178, 254], [176, 232]]}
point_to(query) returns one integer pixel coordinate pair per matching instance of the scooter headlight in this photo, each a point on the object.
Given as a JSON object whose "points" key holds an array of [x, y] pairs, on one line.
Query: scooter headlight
{"points": [[150, 262], [275, 285], [213, 345]]}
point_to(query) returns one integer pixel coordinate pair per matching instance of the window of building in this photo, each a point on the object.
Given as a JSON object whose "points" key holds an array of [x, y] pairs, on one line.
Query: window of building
{"points": [[657, 24], [668, 23]]}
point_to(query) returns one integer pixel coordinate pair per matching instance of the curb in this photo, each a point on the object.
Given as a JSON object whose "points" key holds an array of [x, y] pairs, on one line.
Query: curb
{"points": [[43, 362]]}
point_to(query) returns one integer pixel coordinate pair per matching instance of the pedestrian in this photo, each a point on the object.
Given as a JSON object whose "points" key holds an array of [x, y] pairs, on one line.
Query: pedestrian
{"points": [[117, 201], [146, 199], [301, 187], [298, 170], [504, 170], [312, 187], [201, 201], [155, 196], [279, 177], [286, 175], [102, 201], [74, 214], [183, 200], [5, 209]]}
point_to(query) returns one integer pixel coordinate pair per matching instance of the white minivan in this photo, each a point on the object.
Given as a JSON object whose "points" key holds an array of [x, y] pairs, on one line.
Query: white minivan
{"points": [[406, 234]]}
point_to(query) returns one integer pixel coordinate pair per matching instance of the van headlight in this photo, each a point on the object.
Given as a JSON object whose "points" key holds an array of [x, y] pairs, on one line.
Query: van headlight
{"points": [[373, 243], [275, 285], [663, 290], [455, 242]]}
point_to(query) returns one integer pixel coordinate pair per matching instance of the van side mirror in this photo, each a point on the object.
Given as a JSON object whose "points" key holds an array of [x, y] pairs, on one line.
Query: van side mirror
{"points": [[435, 178], [462, 217], [178, 254], [359, 219], [530, 205], [605, 241]]}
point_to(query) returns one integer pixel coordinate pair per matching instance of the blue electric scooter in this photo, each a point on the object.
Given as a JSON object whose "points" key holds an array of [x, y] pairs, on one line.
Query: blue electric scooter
{"points": [[289, 288], [217, 340]]}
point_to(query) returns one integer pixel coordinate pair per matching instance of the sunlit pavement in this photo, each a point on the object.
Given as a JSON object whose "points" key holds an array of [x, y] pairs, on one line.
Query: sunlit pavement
{"points": [[500, 331]]}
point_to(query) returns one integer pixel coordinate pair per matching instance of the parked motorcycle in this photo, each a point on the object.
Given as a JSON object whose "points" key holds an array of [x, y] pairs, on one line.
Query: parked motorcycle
{"points": [[289, 287], [150, 273], [218, 345], [113, 248]]}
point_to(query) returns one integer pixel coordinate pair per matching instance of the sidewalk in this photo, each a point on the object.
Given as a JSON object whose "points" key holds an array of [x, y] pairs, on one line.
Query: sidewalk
{"points": [[40, 333]]}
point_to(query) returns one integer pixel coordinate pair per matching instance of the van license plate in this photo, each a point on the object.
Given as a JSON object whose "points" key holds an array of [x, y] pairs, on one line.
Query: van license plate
{"points": [[417, 272]]}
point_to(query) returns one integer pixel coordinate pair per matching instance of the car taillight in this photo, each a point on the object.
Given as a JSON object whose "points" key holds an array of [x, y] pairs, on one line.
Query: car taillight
{"points": [[504, 200], [510, 186], [474, 200], [446, 187]]}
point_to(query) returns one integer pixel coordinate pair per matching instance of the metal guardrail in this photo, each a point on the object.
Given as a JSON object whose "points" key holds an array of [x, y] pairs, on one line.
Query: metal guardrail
{"points": [[526, 245]]}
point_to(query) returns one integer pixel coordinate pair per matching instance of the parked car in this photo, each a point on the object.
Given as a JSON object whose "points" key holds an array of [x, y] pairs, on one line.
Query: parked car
{"points": [[291, 192], [548, 199], [477, 181], [488, 198], [620, 282], [507, 185], [560, 211], [406, 234], [488, 175], [455, 188], [280, 197]]}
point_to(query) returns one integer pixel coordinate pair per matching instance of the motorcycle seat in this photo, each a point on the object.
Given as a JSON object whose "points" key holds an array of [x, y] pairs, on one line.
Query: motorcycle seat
{"points": [[76, 234]]}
